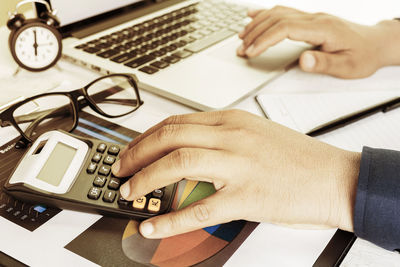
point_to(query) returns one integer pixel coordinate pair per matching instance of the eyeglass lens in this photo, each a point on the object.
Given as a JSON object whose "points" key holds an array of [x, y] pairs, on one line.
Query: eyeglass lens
{"points": [[45, 113], [114, 95]]}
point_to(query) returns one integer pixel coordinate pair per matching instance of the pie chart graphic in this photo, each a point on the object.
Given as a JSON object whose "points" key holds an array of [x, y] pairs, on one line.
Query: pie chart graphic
{"points": [[185, 249]]}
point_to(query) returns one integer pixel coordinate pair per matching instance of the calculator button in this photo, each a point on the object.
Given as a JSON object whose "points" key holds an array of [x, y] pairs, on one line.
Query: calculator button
{"points": [[101, 147], [154, 205], [17, 213], [123, 202], [104, 170], [114, 183], [158, 193], [99, 181], [94, 193], [96, 157], [113, 150], [91, 168], [139, 203], [109, 196], [109, 160]]}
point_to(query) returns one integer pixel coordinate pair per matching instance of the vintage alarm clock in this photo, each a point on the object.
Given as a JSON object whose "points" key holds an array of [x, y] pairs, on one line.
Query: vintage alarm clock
{"points": [[35, 44]]}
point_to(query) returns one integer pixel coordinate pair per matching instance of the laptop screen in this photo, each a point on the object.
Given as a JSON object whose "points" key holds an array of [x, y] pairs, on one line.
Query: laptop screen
{"points": [[71, 11]]}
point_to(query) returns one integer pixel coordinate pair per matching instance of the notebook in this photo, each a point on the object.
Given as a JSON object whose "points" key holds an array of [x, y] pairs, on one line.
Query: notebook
{"points": [[306, 111]]}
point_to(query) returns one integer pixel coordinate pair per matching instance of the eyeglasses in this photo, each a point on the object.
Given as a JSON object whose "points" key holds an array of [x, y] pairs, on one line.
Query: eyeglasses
{"points": [[112, 96]]}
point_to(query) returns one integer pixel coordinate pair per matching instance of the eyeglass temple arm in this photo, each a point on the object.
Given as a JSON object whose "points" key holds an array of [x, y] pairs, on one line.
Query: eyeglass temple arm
{"points": [[126, 102], [45, 115], [37, 115]]}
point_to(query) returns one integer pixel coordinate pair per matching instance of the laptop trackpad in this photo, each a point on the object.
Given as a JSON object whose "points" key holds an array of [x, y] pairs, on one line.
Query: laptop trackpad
{"points": [[275, 58]]}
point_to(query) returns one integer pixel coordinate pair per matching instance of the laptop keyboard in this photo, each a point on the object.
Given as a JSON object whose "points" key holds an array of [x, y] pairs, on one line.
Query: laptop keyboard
{"points": [[155, 44]]}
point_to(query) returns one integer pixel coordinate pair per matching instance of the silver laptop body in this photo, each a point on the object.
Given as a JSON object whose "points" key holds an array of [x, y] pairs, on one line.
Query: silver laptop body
{"points": [[184, 50]]}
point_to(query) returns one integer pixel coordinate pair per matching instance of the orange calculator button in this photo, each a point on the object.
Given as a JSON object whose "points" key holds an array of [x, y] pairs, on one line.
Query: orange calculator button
{"points": [[154, 205], [139, 203]]}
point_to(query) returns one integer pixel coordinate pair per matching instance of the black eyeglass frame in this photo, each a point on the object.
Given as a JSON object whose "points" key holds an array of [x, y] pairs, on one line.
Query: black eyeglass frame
{"points": [[7, 118]]}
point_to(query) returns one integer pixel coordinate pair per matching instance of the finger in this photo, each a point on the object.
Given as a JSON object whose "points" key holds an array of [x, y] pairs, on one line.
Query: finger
{"points": [[254, 12], [260, 17], [161, 142], [188, 163], [258, 30], [335, 64], [304, 31], [268, 23], [265, 14], [204, 118], [210, 211]]}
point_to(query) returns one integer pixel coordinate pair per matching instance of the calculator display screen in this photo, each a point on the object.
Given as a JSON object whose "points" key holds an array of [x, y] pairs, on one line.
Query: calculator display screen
{"points": [[57, 164]]}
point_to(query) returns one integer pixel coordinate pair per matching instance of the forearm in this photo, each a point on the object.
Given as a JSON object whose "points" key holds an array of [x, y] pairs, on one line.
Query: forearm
{"points": [[388, 42], [347, 170]]}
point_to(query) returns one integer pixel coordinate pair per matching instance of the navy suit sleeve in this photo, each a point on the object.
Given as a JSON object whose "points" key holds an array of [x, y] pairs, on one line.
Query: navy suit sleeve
{"points": [[377, 206]]}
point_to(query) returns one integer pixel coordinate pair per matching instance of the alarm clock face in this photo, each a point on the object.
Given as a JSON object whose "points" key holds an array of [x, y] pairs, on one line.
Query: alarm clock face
{"points": [[36, 46]]}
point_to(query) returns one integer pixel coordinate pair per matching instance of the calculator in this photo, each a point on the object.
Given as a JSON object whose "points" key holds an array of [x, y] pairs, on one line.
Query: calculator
{"points": [[71, 172]]}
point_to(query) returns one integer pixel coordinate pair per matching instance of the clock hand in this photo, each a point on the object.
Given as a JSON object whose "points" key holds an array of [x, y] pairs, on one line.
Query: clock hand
{"points": [[45, 44], [35, 44]]}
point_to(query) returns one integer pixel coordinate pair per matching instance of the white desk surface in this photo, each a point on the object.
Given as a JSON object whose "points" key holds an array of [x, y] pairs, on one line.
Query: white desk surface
{"points": [[268, 244]]}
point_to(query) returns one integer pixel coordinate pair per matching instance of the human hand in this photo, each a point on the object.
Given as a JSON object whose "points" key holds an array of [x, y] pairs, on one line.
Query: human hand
{"points": [[261, 170], [343, 49]]}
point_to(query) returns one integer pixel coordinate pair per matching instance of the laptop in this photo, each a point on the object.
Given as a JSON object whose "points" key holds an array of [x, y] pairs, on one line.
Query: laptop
{"points": [[184, 50]]}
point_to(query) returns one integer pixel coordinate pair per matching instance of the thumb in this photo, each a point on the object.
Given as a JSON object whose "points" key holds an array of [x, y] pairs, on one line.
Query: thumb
{"points": [[206, 212], [337, 64]]}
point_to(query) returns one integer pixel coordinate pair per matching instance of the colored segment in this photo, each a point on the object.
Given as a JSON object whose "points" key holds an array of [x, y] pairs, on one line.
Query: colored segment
{"points": [[211, 229], [174, 205], [203, 251], [130, 229], [190, 185], [136, 247], [176, 246], [201, 191], [228, 231]]}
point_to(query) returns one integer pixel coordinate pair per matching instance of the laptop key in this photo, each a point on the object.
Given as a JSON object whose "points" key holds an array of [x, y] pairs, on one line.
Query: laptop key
{"points": [[188, 39], [158, 53], [160, 64], [209, 40], [108, 53], [149, 69], [171, 59], [139, 61], [182, 54], [236, 27], [91, 50], [196, 35], [122, 58], [171, 48], [180, 43], [190, 29], [80, 46]]}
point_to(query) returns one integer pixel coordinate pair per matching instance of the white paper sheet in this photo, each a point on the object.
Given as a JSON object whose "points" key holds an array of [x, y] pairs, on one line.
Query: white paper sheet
{"points": [[306, 111]]}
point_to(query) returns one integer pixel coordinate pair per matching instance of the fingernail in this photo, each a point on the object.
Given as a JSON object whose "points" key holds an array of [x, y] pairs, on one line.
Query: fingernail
{"points": [[242, 33], [250, 50], [308, 61], [240, 50], [125, 190], [116, 167], [146, 228]]}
